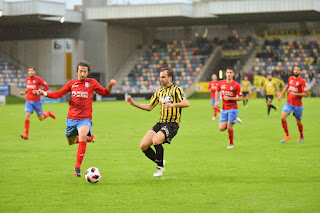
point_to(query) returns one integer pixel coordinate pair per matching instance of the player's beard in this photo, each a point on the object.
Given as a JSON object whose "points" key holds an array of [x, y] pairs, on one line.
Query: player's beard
{"points": [[296, 75]]}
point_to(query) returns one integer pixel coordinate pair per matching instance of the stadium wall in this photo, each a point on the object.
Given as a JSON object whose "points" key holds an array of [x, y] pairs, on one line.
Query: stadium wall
{"points": [[121, 42], [46, 56]]}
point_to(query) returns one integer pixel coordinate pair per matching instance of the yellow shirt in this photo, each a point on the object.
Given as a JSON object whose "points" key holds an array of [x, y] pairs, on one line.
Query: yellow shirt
{"points": [[270, 87], [245, 85]]}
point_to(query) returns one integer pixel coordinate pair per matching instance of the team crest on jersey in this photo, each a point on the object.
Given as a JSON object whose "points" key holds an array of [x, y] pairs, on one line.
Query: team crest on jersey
{"points": [[87, 84], [231, 87], [297, 83], [34, 81]]}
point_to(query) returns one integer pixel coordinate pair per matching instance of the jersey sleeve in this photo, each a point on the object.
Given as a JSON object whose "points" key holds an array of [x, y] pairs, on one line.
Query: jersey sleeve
{"points": [[99, 89], [154, 100], [218, 87], [209, 86], [58, 94], [303, 86], [239, 92], [180, 94], [44, 84]]}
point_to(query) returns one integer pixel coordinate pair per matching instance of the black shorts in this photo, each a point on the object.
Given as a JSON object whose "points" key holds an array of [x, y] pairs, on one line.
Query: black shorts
{"points": [[169, 130], [269, 98], [245, 94]]}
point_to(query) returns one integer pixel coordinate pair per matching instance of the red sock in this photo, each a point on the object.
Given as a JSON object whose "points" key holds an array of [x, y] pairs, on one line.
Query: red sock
{"points": [[285, 127], [300, 130], [230, 133], [215, 112], [81, 151], [45, 115], [218, 110], [26, 127]]}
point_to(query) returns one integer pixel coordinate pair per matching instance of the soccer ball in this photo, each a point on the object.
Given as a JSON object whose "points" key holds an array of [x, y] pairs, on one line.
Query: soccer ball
{"points": [[93, 175]]}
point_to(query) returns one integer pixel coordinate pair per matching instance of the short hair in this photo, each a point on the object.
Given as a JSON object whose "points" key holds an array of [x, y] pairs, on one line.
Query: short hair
{"points": [[84, 63], [299, 67], [32, 68], [230, 68], [169, 71]]}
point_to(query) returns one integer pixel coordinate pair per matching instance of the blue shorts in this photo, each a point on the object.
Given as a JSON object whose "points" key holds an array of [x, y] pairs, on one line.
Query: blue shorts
{"points": [[229, 115], [297, 110], [72, 126], [213, 101], [33, 106]]}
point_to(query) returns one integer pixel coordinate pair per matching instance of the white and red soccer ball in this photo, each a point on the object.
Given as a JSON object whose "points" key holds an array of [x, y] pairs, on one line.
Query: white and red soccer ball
{"points": [[93, 175]]}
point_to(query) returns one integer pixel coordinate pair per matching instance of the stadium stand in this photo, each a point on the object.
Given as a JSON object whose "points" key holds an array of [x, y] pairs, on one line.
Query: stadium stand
{"points": [[185, 57], [9, 75], [279, 57]]}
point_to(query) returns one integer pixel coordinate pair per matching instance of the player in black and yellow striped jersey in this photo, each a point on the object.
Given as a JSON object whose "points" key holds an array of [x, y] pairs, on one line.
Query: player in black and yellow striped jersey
{"points": [[245, 86], [171, 99], [270, 86]]}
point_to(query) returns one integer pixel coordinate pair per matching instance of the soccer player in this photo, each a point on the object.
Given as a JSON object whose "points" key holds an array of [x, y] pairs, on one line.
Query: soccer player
{"points": [[270, 85], [231, 93], [212, 88], [245, 86], [297, 90], [33, 101], [171, 99], [80, 108]]}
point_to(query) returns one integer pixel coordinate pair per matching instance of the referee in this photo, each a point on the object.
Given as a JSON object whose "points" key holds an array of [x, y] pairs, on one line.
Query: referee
{"points": [[171, 99]]}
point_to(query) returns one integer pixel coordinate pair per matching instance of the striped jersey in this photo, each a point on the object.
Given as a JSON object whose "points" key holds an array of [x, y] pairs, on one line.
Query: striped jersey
{"points": [[270, 87], [172, 94]]}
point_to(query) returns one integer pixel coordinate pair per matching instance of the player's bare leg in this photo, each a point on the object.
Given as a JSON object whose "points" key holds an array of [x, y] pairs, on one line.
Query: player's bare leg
{"points": [[45, 115], [157, 141], [83, 132], [145, 144], [26, 126], [72, 140], [222, 126], [283, 118]]}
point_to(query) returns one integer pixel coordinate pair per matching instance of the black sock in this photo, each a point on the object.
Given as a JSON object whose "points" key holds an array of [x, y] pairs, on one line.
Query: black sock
{"points": [[159, 154], [273, 107], [269, 107], [244, 102], [150, 154], [247, 101]]}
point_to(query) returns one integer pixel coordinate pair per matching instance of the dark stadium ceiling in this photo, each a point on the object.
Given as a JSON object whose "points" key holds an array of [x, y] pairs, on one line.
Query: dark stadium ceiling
{"points": [[254, 18]]}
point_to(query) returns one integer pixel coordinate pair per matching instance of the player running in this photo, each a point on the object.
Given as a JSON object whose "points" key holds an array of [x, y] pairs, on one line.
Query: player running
{"points": [[270, 85], [297, 90], [231, 93], [245, 86], [33, 101], [80, 108], [171, 99], [212, 88]]}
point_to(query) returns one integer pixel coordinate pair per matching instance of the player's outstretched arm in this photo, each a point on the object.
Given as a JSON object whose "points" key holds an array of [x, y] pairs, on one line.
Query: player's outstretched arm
{"points": [[182, 104], [111, 84], [283, 91], [23, 92], [146, 107]]}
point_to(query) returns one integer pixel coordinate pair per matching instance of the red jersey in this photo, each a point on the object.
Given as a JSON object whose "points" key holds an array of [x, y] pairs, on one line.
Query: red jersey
{"points": [[232, 89], [80, 105], [297, 85], [35, 83], [212, 88]]}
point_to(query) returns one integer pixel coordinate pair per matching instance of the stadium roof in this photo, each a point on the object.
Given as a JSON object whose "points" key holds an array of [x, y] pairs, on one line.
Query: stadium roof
{"points": [[211, 12], [23, 13]]}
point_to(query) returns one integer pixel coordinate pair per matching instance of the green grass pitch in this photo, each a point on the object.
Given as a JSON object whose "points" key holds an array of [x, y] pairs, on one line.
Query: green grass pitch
{"points": [[259, 175]]}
